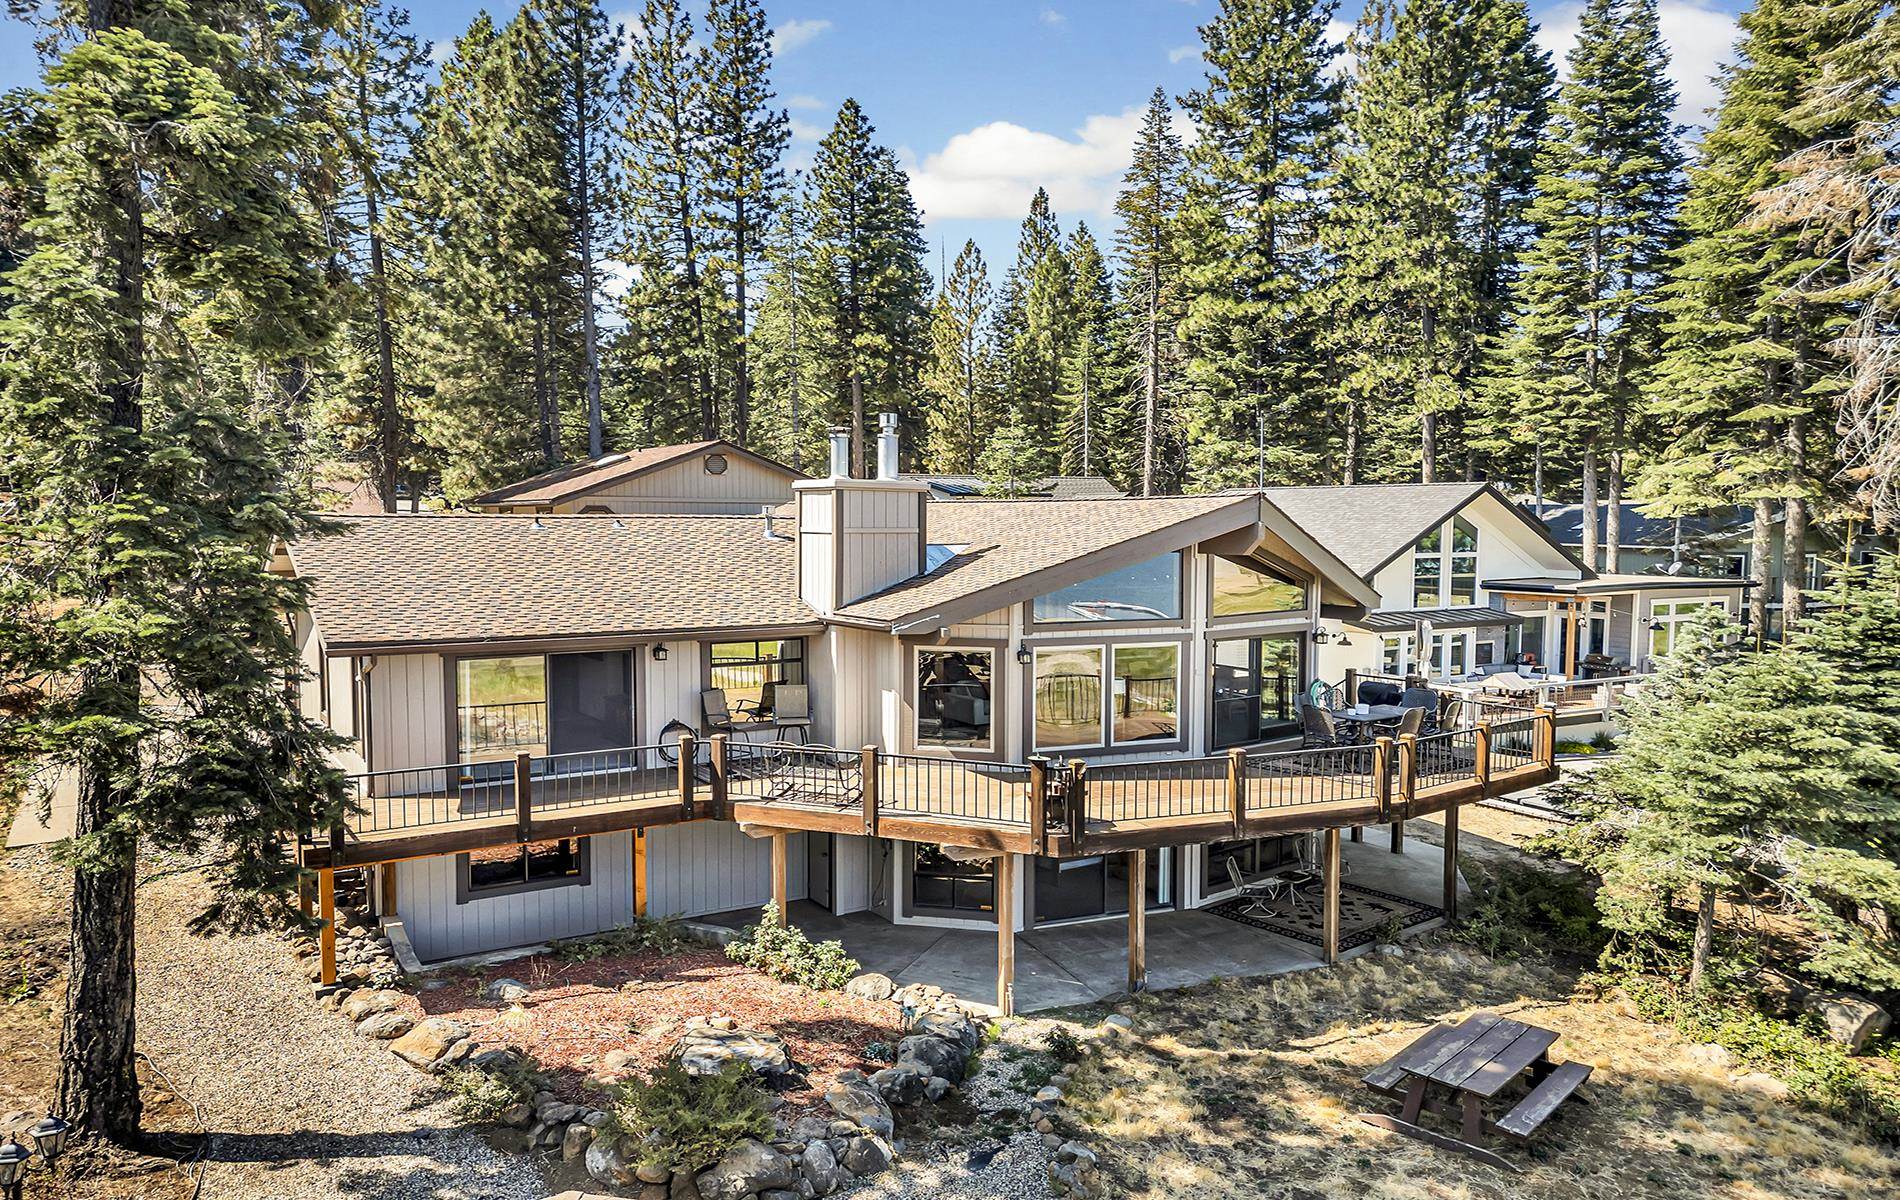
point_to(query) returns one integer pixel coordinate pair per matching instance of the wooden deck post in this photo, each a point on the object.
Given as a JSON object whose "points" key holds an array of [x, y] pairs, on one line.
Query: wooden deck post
{"points": [[1078, 802], [1382, 774], [1038, 801], [386, 903], [1351, 684], [716, 751], [867, 787], [326, 936], [1407, 788], [1137, 920], [1451, 864], [639, 872], [1006, 935], [524, 797], [1237, 787], [1481, 749], [306, 894], [689, 746], [1329, 913], [1544, 740], [781, 876]]}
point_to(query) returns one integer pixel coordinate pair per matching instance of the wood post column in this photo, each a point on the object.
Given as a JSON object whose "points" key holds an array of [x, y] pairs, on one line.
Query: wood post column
{"points": [[326, 937], [1137, 920], [1451, 864], [781, 875], [1006, 935], [1329, 913]]}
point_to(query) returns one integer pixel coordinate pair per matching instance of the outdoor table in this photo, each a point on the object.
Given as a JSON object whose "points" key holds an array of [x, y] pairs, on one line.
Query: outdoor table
{"points": [[1456, 1069], [1375, 714]]}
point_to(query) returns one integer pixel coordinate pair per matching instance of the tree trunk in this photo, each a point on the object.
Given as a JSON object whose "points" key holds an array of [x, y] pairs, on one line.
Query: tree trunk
{"points": [[1588, 509], [542, 404], [1427, 421], [388, 419], [857, 422], [1794, 528], [1760, 550], [741, 370], [1151, 383], [1537, 478], [1349, 470], [1613, 515], [1704, 936]]}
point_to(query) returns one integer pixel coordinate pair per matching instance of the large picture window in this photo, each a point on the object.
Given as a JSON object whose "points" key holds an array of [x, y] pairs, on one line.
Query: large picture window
{"points": [[1445, 566], [501, 707], [1256, 687], [1143, 591], [505, 870], [1141, 683], [954, 697], [1244, 589], [1068, 697], [1667, 616], [1146, 694], [749, 672]]}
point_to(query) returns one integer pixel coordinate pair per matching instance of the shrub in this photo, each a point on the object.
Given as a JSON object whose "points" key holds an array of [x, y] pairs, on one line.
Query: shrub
{"points": [[786, 953], [662, 935], [685, 1122], [1062, 1044], [1521, 908], [483, 1096]]}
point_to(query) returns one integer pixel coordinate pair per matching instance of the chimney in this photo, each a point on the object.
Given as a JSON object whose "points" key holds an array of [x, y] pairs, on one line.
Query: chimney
{"points": [[859, 536], [887, 445], [840, 452]]}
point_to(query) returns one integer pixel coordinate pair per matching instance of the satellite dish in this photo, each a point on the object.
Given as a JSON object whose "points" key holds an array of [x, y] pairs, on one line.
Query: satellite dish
{"points": [[1674, 568]]}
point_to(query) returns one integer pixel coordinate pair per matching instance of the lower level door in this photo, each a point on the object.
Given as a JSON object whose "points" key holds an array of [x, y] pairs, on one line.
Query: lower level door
{"points": [[818, 869]]}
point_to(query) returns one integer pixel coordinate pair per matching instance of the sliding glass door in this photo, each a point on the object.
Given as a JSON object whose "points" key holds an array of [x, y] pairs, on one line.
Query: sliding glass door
{"points": [[1256, 687], [541, 704], [1077, 888]]}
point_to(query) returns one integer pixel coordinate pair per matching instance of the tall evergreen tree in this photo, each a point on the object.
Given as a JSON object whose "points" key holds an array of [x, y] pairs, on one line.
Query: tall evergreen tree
{"points": [[746, 138], [1090, 373], [167, 269], [1032, 327], [1744, 393], [957, 381], [1588, 328], [1266, 119], [1153, 291]]}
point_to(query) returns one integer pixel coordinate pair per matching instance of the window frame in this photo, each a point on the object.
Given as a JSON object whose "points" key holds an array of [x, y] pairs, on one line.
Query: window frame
{"points": [[1674, 617], [1303, 651], [1101, 697], [1036, 624], [465, 893], [1259, 566], [914, 695], [1442, 562], [1108, 694]]}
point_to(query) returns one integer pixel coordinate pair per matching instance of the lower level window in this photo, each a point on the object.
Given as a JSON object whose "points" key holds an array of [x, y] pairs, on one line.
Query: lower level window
{"points": [[499, 870], [941, 882], [1254, 857]]}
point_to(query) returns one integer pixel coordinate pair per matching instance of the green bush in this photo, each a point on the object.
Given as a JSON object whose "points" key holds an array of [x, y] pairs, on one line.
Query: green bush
{"points": [[1576, 748], [1520, 908], [786, 953], [663, 935], [1062, 1044], [483, 1096], [684, 1122]]}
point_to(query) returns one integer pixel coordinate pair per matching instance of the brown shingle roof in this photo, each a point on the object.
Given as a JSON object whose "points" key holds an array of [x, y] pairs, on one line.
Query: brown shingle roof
{"points": [[389, 581], [1008, 540], [577, 479]]}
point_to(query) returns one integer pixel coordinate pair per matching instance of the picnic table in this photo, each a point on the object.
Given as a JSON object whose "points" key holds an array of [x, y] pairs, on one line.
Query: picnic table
{"points": [[1458, 1069]]}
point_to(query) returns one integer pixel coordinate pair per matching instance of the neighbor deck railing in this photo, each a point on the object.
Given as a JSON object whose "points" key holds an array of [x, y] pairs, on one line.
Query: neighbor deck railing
{"points": [[925, 797]]}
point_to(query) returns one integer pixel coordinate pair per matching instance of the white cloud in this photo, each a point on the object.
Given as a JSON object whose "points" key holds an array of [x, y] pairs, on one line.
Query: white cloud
{"points": [[1183, 53], [807, 131], [1699, 38], [994, 169], [803, 101], [1053, 18], [795, 33]]}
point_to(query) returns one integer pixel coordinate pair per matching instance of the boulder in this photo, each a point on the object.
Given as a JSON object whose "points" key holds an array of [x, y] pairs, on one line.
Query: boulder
{"points": [[809, 1129], [857, 1101], [870, 986], [821, 1169], [705, 1049], [748, 1168], [899, 1086], [520, 1116], [575, 1141], [953, 1027], [368, 1002], [936, 1089], [683, 1187], [496, 1062], [933, 1056], [867, 1155], [606, 1164], [652, 1173], [1851, 1020], [384, 1025], [505, 991], [554, 1112], [434, 1043]]}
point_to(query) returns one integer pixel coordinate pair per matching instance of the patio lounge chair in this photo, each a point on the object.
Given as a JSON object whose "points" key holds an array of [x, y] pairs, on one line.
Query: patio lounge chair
{"points": [[790, 705], [1260, 894]]}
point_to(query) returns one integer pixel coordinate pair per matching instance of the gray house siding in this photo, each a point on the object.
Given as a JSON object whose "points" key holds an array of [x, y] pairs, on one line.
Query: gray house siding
{"points": [[710, 866], [440, 928]]}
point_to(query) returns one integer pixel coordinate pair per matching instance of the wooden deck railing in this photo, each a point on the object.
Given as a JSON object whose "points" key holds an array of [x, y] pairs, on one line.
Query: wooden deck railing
{"points": [[1040, 807]]}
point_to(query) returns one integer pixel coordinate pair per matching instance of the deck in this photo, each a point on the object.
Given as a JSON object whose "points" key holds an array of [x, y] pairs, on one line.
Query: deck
{"points": [[1039, 807]]}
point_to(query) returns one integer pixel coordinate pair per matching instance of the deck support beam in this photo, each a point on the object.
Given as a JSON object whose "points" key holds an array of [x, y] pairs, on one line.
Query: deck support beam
{"points": [[1398, 837], [1137, 920], [1451, 864], [326, 936], [781, 875], [1006, 935], [1329, 913], [639, 872]]}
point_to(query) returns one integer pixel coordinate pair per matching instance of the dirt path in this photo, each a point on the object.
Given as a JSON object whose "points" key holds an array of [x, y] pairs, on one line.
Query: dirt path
{"points": [[298, 1105]]}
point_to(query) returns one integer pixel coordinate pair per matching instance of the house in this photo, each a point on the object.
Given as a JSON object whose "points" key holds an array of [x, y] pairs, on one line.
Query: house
{"points": [[1017, 714], [1469, 581], [695, 477], [1054, 487]]}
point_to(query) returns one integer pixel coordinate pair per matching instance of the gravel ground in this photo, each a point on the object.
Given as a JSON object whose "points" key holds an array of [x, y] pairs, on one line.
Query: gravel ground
{"points": [[298, 1105]]}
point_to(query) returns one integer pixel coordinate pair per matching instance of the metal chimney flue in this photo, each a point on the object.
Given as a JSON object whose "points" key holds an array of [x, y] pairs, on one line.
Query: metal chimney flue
{"points": [[887, 445], [840, 452]]}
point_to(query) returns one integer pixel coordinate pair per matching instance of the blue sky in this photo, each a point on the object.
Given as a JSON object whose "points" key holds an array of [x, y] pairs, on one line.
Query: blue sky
{"points": [[986, 99]]}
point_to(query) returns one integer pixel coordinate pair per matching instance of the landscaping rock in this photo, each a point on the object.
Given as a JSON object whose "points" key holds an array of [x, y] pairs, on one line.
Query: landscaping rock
{"points": [[867, 1155], [954, 1027], [606, 1164], [1073, 1172], [505, 991], [434, 1044], [496, 1062], [1851, 1020], [652, 1173], [821, 1169], [710, 1043], [520, 1116], [900, 1086], [384, 1025], [856, 1100], [683, 1187], [934, 1056], [809, 1129], [749, 1167], [554, 1112], [1119, 1021], [369, 1002], [870, 986], [936, 1089], [575, 1141]]}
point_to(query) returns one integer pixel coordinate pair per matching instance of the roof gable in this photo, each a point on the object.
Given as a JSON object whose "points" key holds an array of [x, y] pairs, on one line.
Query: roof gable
{"points": [[1369, 524], [579, 479]]}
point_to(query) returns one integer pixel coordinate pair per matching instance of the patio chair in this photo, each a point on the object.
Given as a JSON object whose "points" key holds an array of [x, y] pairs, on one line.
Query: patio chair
{"points": [[1257, 895], [790, 704], [1410, 721], [712, 706], [1317, 728]]}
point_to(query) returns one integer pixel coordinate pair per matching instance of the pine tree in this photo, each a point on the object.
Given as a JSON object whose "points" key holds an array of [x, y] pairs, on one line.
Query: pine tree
{"points": [[746, 138], [783, 342], [168, 271], [1267, 119], [1589, 326], [1032, 326], [1152, 297], [1090, 372], [1744, 393], [865, 275], [961, 405]]}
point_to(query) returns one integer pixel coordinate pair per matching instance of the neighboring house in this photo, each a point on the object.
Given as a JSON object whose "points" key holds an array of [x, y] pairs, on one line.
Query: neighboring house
{"points": [[1052, 487], [974, 648], [1469, 581], [697, 477]]}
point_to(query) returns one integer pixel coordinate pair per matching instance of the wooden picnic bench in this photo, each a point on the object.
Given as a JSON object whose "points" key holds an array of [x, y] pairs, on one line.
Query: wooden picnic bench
{"points": [[1457, 1069]]}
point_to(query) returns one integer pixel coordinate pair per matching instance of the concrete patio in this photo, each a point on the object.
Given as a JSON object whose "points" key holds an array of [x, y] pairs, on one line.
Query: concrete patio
{"points": [[1081, 963]]}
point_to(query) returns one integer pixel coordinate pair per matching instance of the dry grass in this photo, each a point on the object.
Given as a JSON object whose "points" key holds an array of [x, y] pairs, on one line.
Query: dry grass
{"points": [[1249, 1089]]}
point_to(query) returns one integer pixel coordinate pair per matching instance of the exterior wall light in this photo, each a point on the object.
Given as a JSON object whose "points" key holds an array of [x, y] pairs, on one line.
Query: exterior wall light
{"points": [[659, 652], [1024, 654]]}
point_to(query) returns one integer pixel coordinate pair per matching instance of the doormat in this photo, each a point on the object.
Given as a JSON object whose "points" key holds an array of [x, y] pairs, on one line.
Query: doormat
{"points": [[1363, 914]]}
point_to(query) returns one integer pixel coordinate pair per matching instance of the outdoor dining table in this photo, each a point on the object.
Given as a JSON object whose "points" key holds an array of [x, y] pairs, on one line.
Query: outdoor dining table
{"points": [[1375, 714], [1459, 1068]]}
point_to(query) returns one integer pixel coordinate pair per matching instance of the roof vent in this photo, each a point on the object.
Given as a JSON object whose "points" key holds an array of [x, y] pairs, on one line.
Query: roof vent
{"points": [[771, 531], [840, 452], [536, 524], [887, 445]]}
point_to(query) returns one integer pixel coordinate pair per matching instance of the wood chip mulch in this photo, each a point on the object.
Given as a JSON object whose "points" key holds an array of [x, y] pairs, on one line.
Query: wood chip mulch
{"points": [[639, 1003]]}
